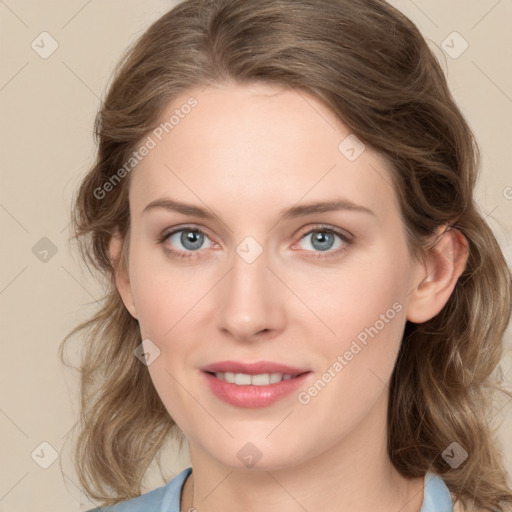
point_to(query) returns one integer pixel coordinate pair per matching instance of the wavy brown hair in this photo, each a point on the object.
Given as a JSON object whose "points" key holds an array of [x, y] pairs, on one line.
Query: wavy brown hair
{"points": [[371, 66]]}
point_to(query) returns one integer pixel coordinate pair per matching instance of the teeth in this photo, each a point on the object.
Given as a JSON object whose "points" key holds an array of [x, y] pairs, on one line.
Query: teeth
{"points": [[243, 379]]}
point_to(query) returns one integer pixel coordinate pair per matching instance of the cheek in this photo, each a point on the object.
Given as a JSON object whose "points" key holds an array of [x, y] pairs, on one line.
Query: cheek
{"points": [[372, 324], [170, 298], [367, 288]]}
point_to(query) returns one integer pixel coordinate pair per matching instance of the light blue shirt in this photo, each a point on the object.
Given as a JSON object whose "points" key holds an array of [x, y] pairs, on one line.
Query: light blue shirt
{"points": [[167, 498]]}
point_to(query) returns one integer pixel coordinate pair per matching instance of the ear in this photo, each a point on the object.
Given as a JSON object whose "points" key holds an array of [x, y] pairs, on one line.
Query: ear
{"points": [[437, 274], [121, 276]]}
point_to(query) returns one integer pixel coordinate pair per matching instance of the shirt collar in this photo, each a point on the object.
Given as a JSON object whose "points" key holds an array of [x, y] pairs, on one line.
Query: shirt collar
{"points": [[436, 496]]}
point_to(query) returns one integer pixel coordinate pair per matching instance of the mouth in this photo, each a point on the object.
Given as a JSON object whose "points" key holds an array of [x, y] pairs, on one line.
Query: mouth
{"points": [[253, 385]]}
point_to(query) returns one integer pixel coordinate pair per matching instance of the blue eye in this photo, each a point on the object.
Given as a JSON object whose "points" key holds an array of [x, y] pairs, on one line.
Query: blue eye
{"points": [[324, 240], [321, 240], [191, 240]]}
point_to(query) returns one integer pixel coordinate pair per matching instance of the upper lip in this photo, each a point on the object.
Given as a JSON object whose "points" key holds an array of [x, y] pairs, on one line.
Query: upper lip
{"points": [[255, 368]]}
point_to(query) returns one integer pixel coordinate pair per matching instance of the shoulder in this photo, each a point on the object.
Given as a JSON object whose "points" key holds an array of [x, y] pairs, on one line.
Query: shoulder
{"points": [[165, 498]]}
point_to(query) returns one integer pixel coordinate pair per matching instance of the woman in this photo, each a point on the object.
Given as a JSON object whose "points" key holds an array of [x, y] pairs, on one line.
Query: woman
{"points": [[299, 281]]}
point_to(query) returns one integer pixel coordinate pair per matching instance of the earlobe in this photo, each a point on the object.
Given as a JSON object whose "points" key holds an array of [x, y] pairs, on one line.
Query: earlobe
{"points": [[121, 277], [443, 264]]}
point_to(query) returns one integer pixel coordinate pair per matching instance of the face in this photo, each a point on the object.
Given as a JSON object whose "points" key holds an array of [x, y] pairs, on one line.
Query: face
{"points": [[232, 269]]}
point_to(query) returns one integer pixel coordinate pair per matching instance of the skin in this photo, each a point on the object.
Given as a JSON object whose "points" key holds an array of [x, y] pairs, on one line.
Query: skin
{"points": [[246, 153]]}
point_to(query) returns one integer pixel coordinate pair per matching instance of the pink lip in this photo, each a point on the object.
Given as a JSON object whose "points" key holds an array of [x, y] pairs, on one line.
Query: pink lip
{"points": [[256, 368], [253, 396]]}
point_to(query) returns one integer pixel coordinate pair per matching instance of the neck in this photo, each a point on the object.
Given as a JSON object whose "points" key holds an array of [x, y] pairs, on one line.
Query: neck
{"points": [[354, 474]]}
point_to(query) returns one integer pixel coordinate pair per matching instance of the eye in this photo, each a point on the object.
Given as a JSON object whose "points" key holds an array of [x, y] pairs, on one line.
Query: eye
{"points": [[186, 240], [324, 240]]}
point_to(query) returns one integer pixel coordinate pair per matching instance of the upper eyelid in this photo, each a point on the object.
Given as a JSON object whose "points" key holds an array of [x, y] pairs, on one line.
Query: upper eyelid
{"points": [[188, 227], [325, 227]]}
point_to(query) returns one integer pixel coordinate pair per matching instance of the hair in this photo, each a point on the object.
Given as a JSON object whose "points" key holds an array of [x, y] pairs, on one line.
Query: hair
{"points": [[372, 67]]}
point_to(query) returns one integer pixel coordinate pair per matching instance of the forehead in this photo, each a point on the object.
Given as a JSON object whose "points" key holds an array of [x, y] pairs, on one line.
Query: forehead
{"points": [[256, 146]]}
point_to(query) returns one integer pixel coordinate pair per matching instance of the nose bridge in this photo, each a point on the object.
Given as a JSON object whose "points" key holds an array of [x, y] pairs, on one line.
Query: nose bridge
{"points": [[250, 300]]}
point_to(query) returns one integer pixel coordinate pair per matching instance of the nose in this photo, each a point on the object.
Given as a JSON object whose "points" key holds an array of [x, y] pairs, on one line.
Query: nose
{"points": [[251, 301]]}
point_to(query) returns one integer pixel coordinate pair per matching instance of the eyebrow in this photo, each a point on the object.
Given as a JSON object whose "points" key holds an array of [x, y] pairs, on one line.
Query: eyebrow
{"points": [[288, 213]]}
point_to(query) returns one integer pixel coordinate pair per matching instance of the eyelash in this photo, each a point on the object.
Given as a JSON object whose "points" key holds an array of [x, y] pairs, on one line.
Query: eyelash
{"points": [[316, 254]]}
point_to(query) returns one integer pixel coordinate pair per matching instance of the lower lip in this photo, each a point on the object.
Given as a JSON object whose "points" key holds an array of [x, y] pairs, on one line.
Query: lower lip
{"points": [[253, 396]]}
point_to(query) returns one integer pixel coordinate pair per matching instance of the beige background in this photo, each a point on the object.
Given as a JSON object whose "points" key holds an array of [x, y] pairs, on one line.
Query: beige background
{"points": [[47, 112]]}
